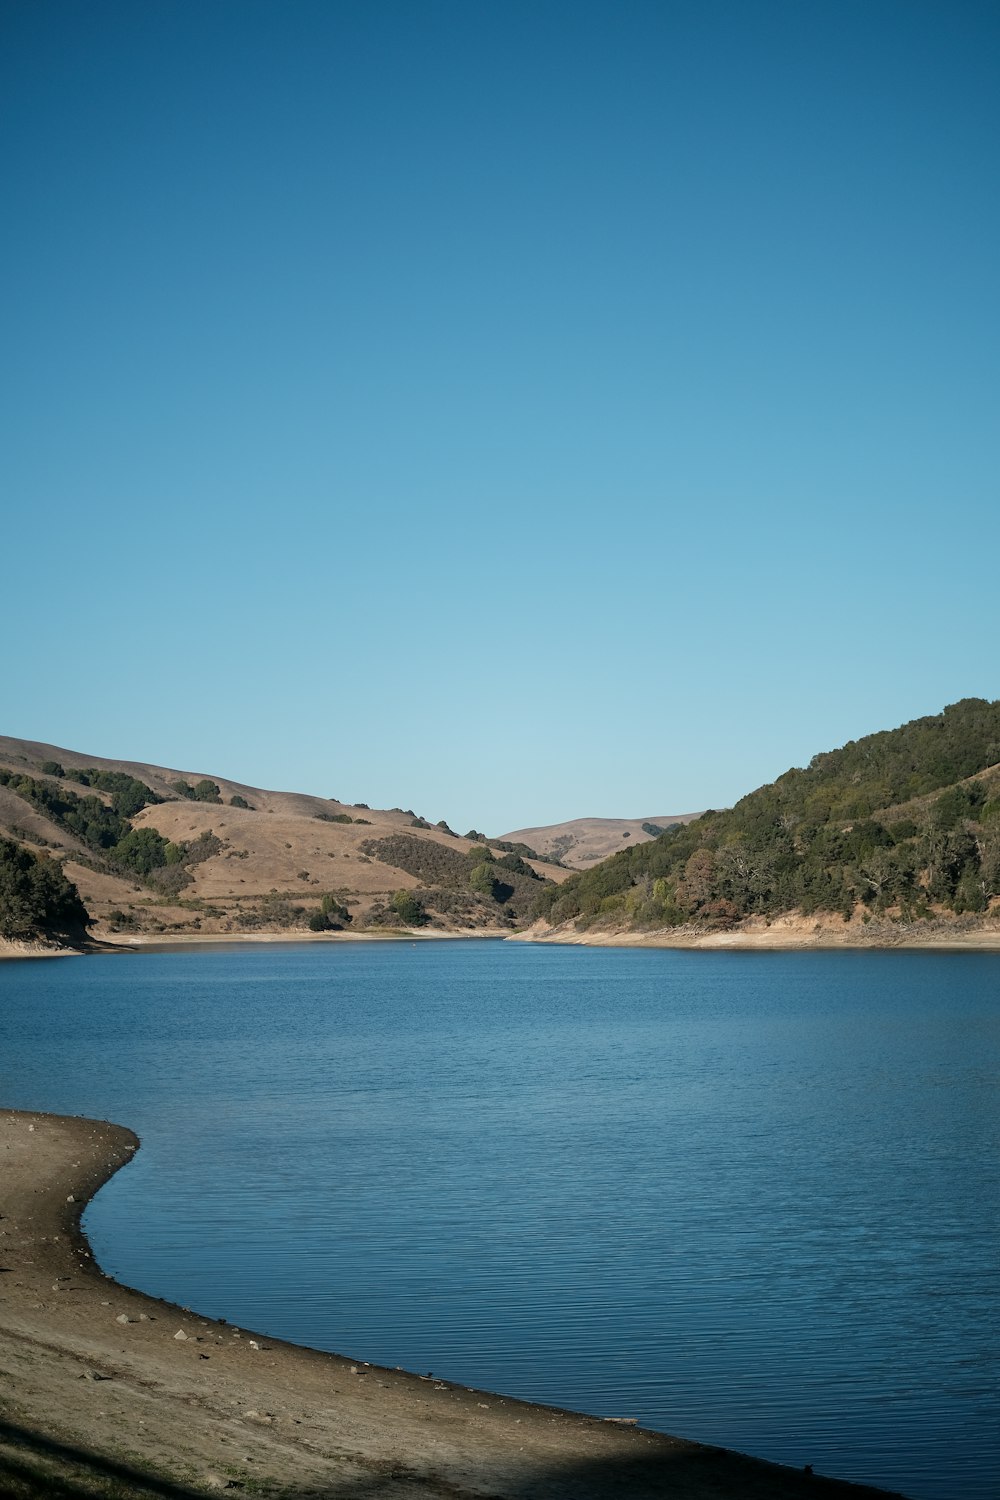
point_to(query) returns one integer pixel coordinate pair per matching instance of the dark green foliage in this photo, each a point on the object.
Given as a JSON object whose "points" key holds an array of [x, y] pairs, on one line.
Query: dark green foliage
{"points": [[502, 885], [476, 836], [431, 862], [128, 794], [822, 839], [517, 866], [36, 899], [332, 916], [506, 847], [52, 768], [335, 911], [483, 880], [238, 801], [140, 851], [654, 830], [409, 909], [88, 818], [957, 804], [325, 817], [123, 921], [202, 791]]}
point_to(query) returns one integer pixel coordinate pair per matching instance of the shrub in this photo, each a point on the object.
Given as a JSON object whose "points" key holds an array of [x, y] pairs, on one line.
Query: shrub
{"points": [[169, 880], [204, 847], [141, 851], [334, 911], [482, 880], [409, 909], [239, 801]]}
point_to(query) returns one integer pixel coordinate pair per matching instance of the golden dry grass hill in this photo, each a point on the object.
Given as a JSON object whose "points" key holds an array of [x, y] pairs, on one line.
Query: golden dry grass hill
{"points": [[159, 851], [582, 842]]}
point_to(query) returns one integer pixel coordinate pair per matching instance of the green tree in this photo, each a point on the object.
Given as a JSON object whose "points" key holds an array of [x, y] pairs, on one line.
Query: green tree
{"points": [[409, 909], [483, 880], [36, 899], [140, 851]]}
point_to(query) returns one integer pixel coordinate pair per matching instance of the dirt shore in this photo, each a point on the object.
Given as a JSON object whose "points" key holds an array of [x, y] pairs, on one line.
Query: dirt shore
{"points": [[783, 934], [107, 1392], [157, 942]]}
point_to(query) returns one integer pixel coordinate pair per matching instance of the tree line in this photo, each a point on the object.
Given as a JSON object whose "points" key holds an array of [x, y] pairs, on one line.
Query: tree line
{"points": [[904, 821]]}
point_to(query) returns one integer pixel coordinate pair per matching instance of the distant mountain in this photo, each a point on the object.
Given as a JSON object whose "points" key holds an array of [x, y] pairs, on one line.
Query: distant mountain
{"points": [[153, 850], [903, 825], [583, 842]]}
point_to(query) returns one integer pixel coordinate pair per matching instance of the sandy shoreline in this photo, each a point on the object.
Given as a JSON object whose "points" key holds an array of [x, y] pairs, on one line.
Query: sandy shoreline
{"points": [[104, 1391], [154, 941], [780, 935]]}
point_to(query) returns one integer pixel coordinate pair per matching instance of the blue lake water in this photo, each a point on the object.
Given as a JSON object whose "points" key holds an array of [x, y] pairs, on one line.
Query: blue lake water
{"points": [[753, 1199]]}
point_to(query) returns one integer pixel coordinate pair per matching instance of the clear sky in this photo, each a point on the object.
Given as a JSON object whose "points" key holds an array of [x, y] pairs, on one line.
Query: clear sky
{"points": [[514, 411]]}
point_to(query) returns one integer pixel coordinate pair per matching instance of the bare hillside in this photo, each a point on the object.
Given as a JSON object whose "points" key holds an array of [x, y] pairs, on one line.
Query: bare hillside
{"points": [[583, 842], [158, 850]]}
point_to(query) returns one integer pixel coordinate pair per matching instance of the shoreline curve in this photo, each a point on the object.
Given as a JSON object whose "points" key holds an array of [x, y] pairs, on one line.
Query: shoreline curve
{"points": [[104, 1389]]}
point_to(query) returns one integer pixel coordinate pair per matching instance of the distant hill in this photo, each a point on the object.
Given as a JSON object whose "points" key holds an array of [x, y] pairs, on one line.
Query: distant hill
{"points": [[156, 850], [903, 825], [583, 842]]}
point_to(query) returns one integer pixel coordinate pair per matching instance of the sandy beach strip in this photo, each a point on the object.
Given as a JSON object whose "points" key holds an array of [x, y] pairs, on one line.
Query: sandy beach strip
{"points": [[781, 934], [107, 1392]]}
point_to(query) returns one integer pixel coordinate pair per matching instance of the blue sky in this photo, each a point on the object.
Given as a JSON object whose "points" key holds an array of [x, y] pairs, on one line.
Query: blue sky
{"points": [[512, 411]]}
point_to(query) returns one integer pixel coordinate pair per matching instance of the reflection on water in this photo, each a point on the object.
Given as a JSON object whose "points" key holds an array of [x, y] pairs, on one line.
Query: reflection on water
{"points": [[750, 1198]]}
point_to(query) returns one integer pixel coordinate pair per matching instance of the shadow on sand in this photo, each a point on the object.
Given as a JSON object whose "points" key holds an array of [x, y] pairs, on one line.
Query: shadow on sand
{"points": [[36, 1467]]}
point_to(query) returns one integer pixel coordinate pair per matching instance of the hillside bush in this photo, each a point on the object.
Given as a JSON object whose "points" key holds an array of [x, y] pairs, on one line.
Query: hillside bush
{"points": [[36, 898]]}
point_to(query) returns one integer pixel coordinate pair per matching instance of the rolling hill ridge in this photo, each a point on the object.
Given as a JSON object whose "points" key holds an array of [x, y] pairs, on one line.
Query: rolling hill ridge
{"points": [[902, 827], [582, 842], [164, 852]]}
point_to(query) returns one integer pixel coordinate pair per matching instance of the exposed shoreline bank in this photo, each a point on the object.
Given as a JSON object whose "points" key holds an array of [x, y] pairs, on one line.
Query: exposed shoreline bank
{"points": [[100, 1384], [175, 942], [781, 935]]}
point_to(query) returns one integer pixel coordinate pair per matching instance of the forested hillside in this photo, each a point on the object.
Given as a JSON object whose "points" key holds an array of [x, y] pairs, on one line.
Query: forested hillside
{"points": [[905, 822]]}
